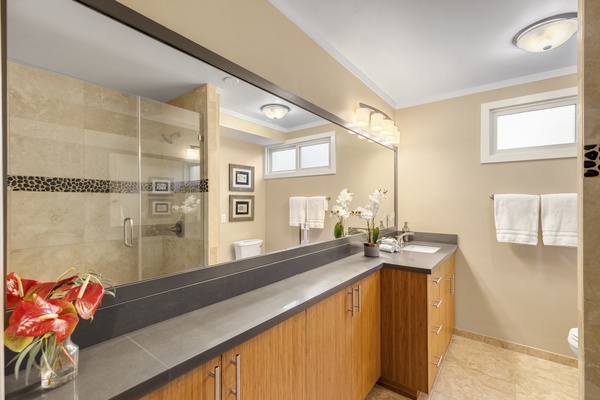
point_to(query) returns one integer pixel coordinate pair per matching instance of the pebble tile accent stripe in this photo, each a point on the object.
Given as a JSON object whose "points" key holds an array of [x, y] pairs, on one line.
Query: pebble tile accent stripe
{"points": [[591, 164], [78, 185]]}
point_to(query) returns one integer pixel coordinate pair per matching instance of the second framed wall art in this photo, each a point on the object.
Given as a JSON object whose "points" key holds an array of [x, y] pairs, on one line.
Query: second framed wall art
{"points": [[241, 178]]}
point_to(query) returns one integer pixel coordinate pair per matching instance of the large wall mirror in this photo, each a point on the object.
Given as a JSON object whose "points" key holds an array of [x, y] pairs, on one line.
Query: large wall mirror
{"points": [[120, 149]]}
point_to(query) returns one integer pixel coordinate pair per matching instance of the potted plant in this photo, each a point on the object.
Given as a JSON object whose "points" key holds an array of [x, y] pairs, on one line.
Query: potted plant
{"points": [[45, 316], [341, 211], [369, 214]]}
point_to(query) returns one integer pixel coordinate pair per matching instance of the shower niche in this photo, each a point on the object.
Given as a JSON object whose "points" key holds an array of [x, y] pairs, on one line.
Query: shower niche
{"points": [[102, 180]]}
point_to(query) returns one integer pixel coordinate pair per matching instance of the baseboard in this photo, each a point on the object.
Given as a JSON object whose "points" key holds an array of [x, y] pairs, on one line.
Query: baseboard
{"points": [[401, 389], [531, 351]]}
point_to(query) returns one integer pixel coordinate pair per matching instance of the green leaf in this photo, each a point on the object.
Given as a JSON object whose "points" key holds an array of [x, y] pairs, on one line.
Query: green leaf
{"points": [[375, 234]]}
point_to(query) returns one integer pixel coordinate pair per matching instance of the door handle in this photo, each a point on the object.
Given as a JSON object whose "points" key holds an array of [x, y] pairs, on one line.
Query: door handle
{"points": [[236, 391], [128, 232], [217, 376]]}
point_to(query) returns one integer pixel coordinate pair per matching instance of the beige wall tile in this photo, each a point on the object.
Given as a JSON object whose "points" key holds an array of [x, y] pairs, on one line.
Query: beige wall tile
{"points": [[44, 157], [115, 261], [41, 219], [46, 263], [102, 98], [152, 257], [592, 81]]}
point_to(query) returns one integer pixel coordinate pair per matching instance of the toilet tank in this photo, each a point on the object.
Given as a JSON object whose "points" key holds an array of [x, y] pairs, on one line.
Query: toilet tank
{"points": [[247, 248]]}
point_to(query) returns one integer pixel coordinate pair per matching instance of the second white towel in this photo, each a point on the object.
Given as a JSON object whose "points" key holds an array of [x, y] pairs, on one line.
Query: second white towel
{"points": [[315, 211], [559, 219], [517, 218]]}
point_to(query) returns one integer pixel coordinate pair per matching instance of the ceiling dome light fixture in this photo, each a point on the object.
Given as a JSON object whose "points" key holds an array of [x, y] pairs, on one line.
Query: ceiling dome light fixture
{"points": [[275, 111], [548, 33]]}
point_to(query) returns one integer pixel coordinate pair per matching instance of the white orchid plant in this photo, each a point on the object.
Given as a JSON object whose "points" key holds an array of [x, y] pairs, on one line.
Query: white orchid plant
{"points": [[191, 205], [369, 214], [341, 211]]}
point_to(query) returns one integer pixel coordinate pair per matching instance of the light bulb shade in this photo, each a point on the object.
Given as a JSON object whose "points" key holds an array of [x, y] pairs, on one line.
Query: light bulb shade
{"points": [[387, 127], [361, 116], [377, 122], [547, 34], [275, 111]]}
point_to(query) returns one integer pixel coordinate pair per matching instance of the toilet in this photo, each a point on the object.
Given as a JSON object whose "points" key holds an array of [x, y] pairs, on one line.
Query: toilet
{"points": [[573, 339], [247, 248]]}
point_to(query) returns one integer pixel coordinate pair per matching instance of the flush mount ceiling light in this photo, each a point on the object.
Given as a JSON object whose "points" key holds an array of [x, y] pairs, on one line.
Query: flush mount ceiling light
{"points": [[275, 111], [547, 33], [378, 121]]}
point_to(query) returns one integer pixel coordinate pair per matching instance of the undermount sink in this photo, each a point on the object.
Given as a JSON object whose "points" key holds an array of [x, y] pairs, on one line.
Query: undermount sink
{"points": [[420, 248]]}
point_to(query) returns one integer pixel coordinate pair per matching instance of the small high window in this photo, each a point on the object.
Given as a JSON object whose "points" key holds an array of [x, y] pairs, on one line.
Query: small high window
{"points": [[532, 127], [305, 156]]}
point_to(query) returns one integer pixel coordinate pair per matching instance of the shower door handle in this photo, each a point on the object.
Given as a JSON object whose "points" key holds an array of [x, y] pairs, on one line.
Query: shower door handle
{"points": [[128, 232]]}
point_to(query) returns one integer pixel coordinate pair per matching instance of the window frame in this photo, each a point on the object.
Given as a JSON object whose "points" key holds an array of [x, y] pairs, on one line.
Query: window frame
{"points": [[297, 144], [490, 111]]}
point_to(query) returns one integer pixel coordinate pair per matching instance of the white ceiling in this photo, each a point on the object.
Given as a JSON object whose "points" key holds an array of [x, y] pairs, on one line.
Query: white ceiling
{"points": [[417, 51]]}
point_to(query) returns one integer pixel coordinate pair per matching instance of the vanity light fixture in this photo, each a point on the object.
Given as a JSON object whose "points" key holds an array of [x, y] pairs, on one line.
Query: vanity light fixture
{"points": [[275, 111], [548, 33], [378, 121]]}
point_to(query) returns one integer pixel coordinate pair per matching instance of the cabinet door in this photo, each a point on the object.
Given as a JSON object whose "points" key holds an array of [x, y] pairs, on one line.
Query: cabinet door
{"points": [[271, 365], [404, 325], [366, 336], [328, 348], [197, 384]]}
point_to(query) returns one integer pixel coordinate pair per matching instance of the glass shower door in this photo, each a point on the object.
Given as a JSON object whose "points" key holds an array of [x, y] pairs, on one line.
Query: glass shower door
{"points": [[172, 191]]}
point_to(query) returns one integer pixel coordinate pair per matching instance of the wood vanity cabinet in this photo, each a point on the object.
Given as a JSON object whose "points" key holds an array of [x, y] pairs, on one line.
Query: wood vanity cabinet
{"points": [[268, 366], [343, 343], [417, 314], [198, 384]]}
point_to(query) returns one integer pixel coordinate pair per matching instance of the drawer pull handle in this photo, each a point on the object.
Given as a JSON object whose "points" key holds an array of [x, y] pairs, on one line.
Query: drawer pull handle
{"points": [[351, 309], [359, 298], [236, 391], [438, 330], [439, 361], [439, 303], [436, 280], [217, 376]]}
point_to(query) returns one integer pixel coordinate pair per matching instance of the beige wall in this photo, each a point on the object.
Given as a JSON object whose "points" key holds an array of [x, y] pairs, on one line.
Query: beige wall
{"points": [[518, 293], [237, 152], [361, 167], [589, 253]]}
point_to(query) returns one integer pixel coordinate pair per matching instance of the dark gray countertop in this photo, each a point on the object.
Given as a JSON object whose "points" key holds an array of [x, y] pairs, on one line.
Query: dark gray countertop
{"points": [[135, 364]]}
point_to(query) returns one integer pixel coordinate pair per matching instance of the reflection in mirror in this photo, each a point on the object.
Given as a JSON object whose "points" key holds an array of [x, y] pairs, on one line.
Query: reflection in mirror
{"points": [[120, 146]]}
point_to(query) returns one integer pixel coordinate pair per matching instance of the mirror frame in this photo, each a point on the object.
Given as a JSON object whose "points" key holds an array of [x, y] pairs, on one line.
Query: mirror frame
{"points": [[136, 290]]}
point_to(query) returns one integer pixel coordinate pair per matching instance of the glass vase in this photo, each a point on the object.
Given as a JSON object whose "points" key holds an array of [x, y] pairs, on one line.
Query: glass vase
{"points": [[62, 368]]}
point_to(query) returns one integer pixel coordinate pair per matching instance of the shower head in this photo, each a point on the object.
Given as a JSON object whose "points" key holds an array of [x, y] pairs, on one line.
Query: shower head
{"points": [[169, 138]]}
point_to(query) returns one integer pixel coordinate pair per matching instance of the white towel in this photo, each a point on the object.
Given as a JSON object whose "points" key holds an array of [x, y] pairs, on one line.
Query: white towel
{"points": [[315, 211], [517, 218], [297, 211], [559, 219]]}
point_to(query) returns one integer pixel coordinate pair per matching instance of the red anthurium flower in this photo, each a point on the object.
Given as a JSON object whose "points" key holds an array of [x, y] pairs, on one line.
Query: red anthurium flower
{"points": [[16, 288], [43, 289], [87, 298], [38, 317]]}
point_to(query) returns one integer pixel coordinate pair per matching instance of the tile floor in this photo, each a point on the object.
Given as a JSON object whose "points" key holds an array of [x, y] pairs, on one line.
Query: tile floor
{"points": [[478, 371]]}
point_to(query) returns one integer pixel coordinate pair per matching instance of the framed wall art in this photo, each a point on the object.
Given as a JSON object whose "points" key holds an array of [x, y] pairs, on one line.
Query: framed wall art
{"points": [[241, 178], [241, 208], [160, 207], [161, 186]]}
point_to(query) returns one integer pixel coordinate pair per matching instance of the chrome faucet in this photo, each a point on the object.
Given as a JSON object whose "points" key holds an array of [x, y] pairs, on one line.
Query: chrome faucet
{"points": [[401, 238]]}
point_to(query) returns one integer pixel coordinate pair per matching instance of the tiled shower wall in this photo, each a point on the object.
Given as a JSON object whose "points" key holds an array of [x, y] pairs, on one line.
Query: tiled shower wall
{"points": [[73, 171], [589, 250]]}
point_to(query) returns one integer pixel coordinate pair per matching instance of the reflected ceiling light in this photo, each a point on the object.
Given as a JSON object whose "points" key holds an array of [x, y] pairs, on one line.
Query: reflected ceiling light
{"points": [[547, 33], [275, 111], [377, 120]]}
